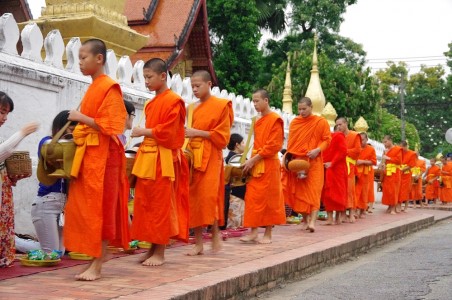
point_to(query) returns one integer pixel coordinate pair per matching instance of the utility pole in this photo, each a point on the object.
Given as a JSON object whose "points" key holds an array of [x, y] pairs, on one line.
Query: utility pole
{"points": [[402, 105]]}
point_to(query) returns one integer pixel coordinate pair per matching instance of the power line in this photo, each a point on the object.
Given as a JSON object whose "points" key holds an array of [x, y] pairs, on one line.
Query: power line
{"points": [[407, 57], [428, 66], [414, 60]]}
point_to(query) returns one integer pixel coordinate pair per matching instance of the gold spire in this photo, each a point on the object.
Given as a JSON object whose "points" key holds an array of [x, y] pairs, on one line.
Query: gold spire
{"points": [[287, 93], [329, 113], [314, 90], [361, 125]]}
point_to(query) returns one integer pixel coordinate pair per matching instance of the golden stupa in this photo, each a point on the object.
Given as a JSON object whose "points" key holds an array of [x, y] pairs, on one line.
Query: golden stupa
{"points": [[361, 125], [287, 93], [330, 114], [314, 90]]}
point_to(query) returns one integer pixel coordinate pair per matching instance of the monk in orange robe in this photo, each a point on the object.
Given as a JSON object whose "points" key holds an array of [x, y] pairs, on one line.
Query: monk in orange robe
{"points": [[445, 194], [211, 128], [334, 193], [409, 158], [353, 140], [391, 176], [432, 187], [366, 160], [264, 201], [371, 195], [96, 210], [309, 135], [161, 190], [416, 189]]}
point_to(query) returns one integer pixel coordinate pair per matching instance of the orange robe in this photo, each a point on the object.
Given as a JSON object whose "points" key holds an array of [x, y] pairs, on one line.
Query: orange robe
{"points": [[363, 174], [264, 201], [409, 158], [392, 176], [371, 195], [306, 134], [432, 189], [161, 196], [445, 194], [84, 212], [334, 193], [353, 140], [416, 189], [207, 186]]}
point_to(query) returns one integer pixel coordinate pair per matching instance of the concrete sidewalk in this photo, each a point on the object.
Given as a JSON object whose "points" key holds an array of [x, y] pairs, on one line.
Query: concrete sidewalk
{"points": [[239, 271]]}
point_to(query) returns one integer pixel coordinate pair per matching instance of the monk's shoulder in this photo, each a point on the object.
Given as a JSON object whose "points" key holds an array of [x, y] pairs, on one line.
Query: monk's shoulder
{"points": [[220, 102]]}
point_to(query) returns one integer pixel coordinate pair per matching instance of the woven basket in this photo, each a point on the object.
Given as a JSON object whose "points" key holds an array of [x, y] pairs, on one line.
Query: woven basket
{"points": [[19, 164]]}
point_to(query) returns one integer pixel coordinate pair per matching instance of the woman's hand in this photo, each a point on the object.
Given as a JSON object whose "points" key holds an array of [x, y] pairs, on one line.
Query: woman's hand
{"points": [[30, 128]]}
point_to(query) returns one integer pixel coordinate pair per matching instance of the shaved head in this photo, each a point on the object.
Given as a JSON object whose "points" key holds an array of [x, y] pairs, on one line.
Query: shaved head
{"points": [[97, 47], [263, 92], [342, 119], [157, 65], [305, 100], [203, 74]]}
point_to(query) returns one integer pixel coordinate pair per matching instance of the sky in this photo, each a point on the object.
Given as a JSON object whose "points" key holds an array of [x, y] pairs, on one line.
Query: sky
{"points": [[414, 31]]}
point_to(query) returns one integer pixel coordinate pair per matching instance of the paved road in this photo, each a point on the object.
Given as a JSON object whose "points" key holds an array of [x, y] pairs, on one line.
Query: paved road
{"points": [[416, 267]]}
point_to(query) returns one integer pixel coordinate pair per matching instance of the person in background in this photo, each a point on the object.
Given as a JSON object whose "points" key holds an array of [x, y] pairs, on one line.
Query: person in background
{"points": [[51, 199], [236, 146], [7, 248]]}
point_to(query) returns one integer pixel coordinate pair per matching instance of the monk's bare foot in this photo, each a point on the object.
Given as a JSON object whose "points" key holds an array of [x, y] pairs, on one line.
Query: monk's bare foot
{"points": [[196, 250], [93, 271], [265, 240], [249, 238], [311, 228], [146, 255], [154, 260], [217, 242], [352, 219], [329, 222]]}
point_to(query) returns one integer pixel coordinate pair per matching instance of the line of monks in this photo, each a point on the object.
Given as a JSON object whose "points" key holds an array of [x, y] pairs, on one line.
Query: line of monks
{"points": [[173, 194]]}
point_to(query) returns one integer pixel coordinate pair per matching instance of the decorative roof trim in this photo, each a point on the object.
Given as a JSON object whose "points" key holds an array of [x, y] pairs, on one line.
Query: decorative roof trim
{"points": [[151, 10]]}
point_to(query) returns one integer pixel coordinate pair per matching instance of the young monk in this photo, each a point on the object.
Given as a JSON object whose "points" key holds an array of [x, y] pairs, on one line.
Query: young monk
{"points": [[264, 201], [432, 187], [416, 189], [365, 162], [334, 193], [161, 190], [309, 135], [408, 162], [392, 177], [353, 149], [211, 128], [96, 210]]}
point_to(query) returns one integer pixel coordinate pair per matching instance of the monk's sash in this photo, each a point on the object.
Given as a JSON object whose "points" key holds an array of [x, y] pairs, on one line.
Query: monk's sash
{"points": [[197, 147], [84, 136], [447, 181], [416, 171], [391, 169], [350, 161], [145, 165], [259, 168]]}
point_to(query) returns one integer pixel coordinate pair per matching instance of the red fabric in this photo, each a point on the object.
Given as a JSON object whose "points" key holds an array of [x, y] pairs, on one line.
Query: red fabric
{"points": [[334, 193], [409, 158], [353, 140]]}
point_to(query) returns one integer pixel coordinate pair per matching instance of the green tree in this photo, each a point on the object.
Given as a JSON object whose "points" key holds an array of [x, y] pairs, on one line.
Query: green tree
{"points": [[272, 15], [235, 40]]}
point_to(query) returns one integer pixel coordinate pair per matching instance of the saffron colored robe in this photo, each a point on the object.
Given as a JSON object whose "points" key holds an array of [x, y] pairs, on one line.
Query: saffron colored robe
{"points": [[445, 194], [306, 134], [371, 195], [86, 204], [207, 186], [409, 158], [392, 176], [416, 189], [264, 201], [353, 140], [161, 207], [432, 189], [334, 193], [364, 180]]}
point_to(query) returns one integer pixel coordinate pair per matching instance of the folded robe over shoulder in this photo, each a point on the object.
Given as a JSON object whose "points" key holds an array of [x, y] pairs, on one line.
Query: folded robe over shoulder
{"points": [[264, 201], [334, 194], [305, 134], [84, 209], [207, 186], [161, 191]]}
